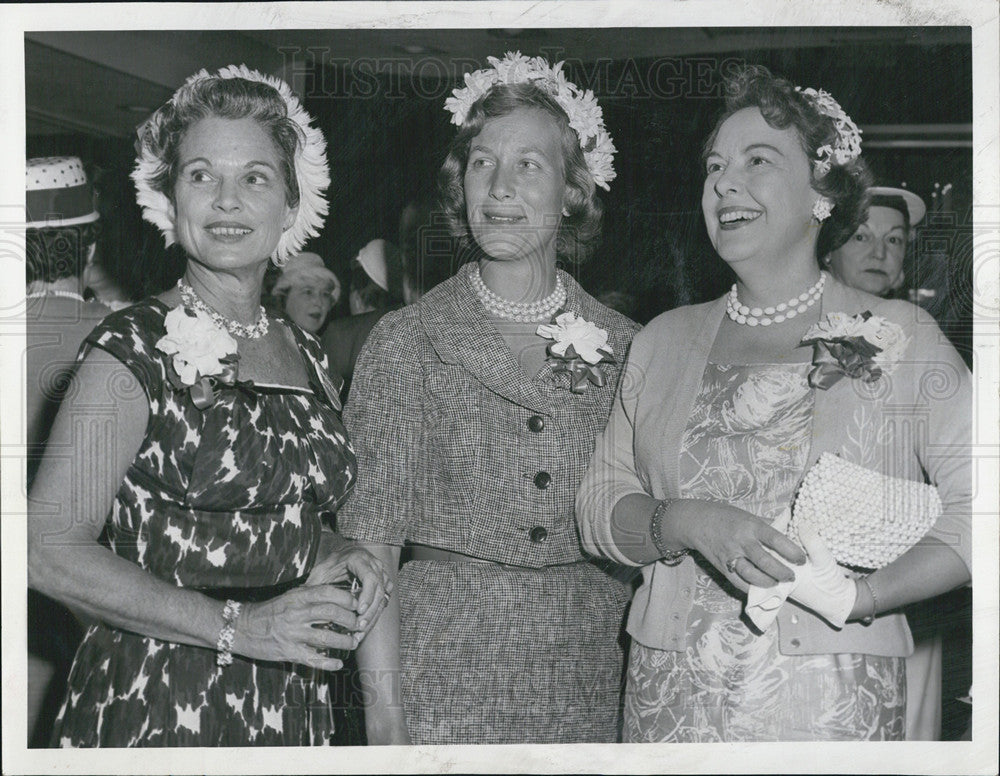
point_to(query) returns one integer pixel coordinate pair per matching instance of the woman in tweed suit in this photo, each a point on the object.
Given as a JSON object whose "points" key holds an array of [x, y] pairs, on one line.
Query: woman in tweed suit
{"points": [[471, 444]]}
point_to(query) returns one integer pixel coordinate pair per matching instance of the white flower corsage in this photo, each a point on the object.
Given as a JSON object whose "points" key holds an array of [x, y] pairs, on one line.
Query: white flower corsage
{"points": [[862, 346], [579, 348], [203, 354]]}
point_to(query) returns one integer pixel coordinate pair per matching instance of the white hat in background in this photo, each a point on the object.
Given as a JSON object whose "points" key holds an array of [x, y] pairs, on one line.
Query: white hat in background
{"points": [[57, 193], [307, 269], [916, 209], [374, 260]]}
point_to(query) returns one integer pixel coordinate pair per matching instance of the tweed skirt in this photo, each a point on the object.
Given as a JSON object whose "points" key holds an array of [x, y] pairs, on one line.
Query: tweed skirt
{"points": [[498, 655]]}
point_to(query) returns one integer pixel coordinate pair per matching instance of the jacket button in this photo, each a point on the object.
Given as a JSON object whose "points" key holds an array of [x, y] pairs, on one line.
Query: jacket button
{"points": [[794, 619], [542, 480], [796, 643], [538, 534], [536, 423]]}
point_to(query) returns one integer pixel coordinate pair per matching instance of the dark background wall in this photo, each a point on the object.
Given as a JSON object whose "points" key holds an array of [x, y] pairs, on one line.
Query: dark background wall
{"points": [[387, 133]]}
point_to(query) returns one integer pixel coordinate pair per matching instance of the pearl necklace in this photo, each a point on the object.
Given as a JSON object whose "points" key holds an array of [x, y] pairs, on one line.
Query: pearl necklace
{"points": [[785, 311], [56, 292], [255, 331], [524, 312]]}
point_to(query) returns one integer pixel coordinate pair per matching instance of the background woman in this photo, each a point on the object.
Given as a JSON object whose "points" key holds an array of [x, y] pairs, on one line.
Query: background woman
{"points": [[306, 291], [224, 450], [714, 425], [472, 442], [872, 257]]}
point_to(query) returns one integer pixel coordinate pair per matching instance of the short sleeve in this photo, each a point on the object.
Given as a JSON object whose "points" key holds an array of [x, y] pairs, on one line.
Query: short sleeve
{"points": [[130, 336], [383, 418]]}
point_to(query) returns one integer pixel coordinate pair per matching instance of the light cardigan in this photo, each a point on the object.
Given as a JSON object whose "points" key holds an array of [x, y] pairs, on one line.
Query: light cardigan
{"points": [[915, 423]]}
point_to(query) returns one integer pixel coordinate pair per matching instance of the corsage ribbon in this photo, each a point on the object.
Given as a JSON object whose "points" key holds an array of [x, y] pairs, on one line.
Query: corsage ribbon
{"points": [[581, 373], [833, 360], [203, 393]]}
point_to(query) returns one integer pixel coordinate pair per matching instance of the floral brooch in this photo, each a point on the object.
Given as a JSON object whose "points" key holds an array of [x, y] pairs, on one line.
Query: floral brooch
{"points": [[579, 348], [203, 354], [862, 346]]}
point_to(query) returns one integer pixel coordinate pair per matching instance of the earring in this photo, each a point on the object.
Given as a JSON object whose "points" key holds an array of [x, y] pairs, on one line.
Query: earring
{"points": [[565, 212], [822, 208]]}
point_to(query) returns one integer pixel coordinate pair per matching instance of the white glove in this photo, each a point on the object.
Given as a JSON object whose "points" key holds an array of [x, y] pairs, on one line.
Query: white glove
{"points": [[820, 584], [763, 603]]}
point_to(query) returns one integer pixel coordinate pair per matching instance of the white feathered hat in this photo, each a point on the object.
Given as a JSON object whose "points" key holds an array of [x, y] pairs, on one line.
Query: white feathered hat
{"points": [[312, 172]]}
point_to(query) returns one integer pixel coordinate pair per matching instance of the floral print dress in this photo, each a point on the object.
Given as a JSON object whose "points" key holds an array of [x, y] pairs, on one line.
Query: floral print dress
{"points": [[226, 497], [746, 444]]}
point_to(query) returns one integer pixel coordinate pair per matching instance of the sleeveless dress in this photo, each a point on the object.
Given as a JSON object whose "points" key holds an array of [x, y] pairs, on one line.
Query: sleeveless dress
{"points": [[746, 444], [231, 496]]}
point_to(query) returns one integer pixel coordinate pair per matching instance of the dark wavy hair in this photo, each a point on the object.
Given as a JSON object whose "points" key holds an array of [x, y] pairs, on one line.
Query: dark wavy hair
{"points": [[846, 185], [225, 98], [580, 231], [57, 252]]}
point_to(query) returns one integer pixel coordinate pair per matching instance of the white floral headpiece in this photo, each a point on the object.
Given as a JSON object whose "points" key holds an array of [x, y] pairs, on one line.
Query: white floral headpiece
{"points": [[312, 173], [848, 144], [585, 115]]}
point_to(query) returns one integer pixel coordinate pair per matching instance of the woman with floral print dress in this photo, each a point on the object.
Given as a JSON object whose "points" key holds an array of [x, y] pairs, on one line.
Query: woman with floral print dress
{"points": [[472, 440], [719, 414], [206, 443]]}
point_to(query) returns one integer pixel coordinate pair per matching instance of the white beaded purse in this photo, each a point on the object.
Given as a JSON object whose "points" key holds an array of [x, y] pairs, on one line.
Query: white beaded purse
{"points": [[867, 519]]}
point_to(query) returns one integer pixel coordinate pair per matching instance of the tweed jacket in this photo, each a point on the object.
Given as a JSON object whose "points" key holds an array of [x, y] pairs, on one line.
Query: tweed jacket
{"points": [[914, 424], [457, 448]]}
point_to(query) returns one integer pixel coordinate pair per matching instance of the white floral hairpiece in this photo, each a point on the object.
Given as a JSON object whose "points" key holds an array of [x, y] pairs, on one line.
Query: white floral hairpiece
{"points": [[585, 115], [311, 170], [848, 144]]}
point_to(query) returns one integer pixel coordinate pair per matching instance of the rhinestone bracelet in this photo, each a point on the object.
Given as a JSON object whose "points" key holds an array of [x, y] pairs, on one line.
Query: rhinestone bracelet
{"points": [[228, 632], [670, 557], [869, 618]]}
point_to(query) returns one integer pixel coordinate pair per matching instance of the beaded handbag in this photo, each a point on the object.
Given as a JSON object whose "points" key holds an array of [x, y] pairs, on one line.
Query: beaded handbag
{"points": [[867, 519]]}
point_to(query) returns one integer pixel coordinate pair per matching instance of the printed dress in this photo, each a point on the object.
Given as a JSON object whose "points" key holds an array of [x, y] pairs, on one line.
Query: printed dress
{"points": [[228, 497], [746, 444]]}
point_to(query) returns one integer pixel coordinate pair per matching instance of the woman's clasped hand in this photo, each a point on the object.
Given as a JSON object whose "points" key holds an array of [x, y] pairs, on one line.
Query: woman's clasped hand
{"points": [[736, 543]]}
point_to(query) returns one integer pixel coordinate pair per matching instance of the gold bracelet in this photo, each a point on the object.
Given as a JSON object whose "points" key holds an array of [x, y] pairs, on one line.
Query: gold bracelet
{"points": [[670, 557], [869, 619]]}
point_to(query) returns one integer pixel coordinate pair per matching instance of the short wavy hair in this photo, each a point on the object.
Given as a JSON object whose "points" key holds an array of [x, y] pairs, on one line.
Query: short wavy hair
{"points": [[226, 98], [58, 252], [846, 185], [580, 231]]}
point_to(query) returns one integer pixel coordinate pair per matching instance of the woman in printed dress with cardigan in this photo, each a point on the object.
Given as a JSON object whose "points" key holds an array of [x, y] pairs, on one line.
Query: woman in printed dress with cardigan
{"points": [[207, 442], [471, 441], [719, 414]]}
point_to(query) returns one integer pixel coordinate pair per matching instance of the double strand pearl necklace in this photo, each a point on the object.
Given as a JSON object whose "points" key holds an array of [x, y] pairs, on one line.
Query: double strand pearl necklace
{"points": [[785, 311], [524, 312], [56, 292], [255, 331]]}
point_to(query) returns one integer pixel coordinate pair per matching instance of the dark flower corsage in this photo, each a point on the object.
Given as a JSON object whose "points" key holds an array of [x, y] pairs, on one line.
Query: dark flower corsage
{"points": [[862, 347]]}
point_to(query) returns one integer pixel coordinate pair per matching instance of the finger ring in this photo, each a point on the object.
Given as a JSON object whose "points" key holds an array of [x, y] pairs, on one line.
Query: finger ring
{"points": [[731, 564], [385, 597]]}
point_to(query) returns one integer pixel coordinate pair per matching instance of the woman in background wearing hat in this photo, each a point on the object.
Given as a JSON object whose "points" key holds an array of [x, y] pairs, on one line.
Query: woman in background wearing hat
{"points": [[306, 291], [61, 232], [724, 406], [221, 454], [872, 258], [376, 287]]}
